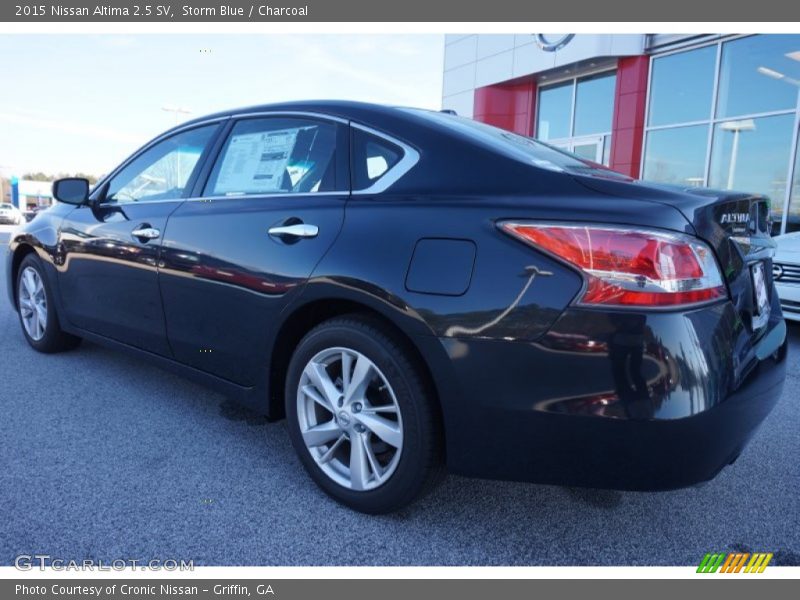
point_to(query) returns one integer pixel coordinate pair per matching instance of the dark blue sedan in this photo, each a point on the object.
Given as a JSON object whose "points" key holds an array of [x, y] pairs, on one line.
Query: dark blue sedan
{"points": [[413, 290]]}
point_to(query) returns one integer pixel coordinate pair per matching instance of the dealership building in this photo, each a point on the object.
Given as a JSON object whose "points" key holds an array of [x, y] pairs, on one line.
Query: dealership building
{"points": [[699, 110]]}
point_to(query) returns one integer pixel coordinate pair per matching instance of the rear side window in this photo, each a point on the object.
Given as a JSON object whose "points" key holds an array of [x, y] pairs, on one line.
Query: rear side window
{"points": [[373, 157], [275, 155]]}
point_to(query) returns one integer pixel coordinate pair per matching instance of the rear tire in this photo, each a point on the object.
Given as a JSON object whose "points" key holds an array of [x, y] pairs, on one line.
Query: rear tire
{"points": [[37, 310], [373, 461]]}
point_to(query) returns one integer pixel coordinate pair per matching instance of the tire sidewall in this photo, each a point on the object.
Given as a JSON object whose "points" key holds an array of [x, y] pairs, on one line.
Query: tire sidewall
{"points": [[407, 479], [52, 330]]}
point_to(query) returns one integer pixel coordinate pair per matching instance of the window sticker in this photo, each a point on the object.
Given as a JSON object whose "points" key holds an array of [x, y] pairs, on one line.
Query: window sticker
{"points": [[256, 162], [298, 169]]}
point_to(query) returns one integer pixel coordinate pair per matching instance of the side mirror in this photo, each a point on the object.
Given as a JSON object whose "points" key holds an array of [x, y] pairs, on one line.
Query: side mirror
{"points": [[71, 190]]}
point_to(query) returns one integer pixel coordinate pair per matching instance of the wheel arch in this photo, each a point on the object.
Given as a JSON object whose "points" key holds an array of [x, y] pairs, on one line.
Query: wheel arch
{"points": [[20, 252], [304, 318]]}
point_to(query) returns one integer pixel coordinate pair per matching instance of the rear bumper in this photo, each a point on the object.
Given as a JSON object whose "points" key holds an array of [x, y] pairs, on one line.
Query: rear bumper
{"points": [[613, 400]]}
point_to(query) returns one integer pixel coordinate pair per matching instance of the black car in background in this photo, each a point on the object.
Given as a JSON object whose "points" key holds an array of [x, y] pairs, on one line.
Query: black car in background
{"points": [[414, 290]]}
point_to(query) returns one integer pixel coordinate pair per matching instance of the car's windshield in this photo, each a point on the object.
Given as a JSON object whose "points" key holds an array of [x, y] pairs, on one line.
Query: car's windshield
{"points": [[519, 147]]}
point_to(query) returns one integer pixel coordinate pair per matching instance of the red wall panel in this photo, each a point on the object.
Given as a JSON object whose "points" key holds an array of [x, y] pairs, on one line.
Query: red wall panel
{"points": [[509, 105], [627, 129]]}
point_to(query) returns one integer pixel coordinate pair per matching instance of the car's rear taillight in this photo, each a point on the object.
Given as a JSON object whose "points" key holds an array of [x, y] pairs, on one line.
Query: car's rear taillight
{"points": [[629, 267]]}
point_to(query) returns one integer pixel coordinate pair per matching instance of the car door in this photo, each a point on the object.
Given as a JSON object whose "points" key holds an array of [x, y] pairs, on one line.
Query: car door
{"points": [[241, 249], [109, 250]]}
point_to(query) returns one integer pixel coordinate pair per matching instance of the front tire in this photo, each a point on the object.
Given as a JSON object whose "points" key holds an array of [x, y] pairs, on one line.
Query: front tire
{"points": [[361, 416], [37, 311]]}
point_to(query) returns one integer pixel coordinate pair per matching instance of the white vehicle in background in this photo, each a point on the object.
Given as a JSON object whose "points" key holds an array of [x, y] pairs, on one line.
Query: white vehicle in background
{"points": [[786, 273], [10, 215]]}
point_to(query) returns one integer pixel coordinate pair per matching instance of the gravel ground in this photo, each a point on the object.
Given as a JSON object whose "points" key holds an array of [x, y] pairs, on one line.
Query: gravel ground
{"points": [[105, 457]]}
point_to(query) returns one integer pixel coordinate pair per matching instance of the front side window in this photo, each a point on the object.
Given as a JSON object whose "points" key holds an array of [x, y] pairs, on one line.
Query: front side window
{"points": [[162, 171], [275, 155]]}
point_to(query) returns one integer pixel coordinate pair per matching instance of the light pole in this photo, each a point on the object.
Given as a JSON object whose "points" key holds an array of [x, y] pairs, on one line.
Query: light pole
{"points": [[2, 183], [177, 111], [736, 127]]}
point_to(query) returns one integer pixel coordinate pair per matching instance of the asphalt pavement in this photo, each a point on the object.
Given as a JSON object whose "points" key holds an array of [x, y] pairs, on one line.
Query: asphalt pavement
{"points": [[105, 457]]}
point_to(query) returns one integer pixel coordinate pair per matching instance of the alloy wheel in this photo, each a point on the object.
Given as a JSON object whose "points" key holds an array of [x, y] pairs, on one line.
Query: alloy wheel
{"points": [[349, 418], [32, 303]]}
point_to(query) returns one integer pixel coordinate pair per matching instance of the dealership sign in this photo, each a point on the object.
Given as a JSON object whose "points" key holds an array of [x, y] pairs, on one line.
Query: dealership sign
{"points": [[551, 43]]}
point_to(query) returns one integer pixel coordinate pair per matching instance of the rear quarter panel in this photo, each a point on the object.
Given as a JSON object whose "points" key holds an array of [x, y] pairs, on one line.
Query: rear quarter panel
{"points": [[369, 263], [514, 291]]}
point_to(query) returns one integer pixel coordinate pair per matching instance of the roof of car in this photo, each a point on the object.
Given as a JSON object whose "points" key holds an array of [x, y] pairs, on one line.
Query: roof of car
{"points": [[346, 109]]}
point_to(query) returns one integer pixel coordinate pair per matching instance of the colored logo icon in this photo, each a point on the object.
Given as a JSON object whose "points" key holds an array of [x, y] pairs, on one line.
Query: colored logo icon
{"points": [[735, 562]]}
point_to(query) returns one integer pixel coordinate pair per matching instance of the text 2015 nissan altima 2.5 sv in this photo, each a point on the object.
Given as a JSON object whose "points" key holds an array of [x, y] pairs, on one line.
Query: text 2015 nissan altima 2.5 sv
{"points": [[414, 290]]}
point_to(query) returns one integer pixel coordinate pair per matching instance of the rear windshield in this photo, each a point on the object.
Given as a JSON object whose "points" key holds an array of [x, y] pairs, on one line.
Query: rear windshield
{"points": [[6, 206], [519, 147]]}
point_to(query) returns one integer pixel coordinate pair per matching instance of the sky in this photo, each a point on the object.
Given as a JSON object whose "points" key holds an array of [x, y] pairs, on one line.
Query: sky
{"points": [[82, 103]]}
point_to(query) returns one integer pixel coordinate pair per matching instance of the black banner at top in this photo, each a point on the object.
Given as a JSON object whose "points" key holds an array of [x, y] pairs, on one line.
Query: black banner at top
{"points": [[399, 10]]}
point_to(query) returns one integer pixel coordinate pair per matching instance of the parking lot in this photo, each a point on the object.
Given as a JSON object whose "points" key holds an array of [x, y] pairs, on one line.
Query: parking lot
{"points": [[104, 457]]}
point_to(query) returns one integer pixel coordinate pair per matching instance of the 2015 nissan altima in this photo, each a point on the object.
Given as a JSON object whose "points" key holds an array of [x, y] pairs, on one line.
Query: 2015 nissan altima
{"points": [[413, 290]]}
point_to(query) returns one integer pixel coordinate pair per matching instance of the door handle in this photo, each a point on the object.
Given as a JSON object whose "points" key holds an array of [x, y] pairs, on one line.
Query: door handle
{"points": [[145, 232], [300, 230]]}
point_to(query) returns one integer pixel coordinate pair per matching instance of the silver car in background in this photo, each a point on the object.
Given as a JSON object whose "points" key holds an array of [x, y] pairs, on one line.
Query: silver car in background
{"points": [[10, 215], [786, 273]]}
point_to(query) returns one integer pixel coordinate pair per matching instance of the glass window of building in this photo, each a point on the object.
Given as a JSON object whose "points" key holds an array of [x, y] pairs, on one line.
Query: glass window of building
{"points": [[576, 115], [752, 119], [594, 104], [586, 151], [759, 74], [752, 155], [555, 108], [793, 218], [681, 87], [676, 155]]}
